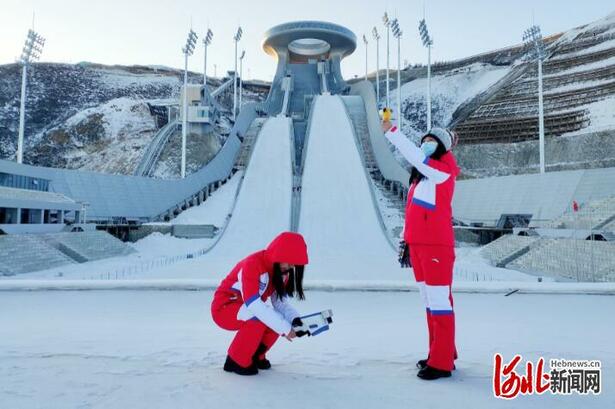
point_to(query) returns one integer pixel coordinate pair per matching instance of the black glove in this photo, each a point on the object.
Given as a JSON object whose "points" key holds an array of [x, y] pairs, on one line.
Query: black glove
{"points": [[298, 323], [404, 255]]}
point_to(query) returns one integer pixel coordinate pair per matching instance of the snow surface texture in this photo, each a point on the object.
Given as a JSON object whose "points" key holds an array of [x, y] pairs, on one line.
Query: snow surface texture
{"points": [[161, 350], [338, 217]]}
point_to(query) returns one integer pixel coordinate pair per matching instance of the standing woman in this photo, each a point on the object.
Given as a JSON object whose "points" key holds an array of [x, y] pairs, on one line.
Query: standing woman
{"points": [[239, 304], [428, 232]]}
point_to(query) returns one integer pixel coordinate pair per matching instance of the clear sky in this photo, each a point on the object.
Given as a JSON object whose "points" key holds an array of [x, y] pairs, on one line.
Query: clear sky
{"points": [[153, 31]]}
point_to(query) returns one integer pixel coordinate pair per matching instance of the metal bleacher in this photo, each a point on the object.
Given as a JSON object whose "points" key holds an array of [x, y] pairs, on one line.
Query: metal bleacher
{"points": [[511, 114], [578, 260], [594, 215], [88, 245], [507, 248], [26, 253], [16, 253]]}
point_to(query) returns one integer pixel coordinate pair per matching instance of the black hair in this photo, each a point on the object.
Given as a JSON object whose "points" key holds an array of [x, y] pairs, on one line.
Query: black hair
{"points": [[417, 176], [293, 284]]}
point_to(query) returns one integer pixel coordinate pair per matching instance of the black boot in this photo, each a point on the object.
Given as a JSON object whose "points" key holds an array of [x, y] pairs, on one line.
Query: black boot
{"points": [[423, 363], [261, 363], [232, 366], [429, 373]]}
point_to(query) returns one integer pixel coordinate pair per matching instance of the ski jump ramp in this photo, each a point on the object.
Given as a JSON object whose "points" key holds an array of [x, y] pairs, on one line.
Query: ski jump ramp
{"points": [[263, 206], [339, 218]]}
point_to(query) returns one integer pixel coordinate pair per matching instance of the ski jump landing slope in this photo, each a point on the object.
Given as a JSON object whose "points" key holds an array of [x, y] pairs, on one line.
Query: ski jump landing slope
{"points": [[338, 216], [263, 207]]}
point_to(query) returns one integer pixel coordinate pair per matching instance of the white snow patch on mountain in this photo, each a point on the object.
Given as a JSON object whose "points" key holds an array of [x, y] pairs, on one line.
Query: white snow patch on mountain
{"points": [[448, 92]]}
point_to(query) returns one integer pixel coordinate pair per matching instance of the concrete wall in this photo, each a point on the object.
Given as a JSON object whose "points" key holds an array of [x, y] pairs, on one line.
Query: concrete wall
{"points": [[586, 151]]}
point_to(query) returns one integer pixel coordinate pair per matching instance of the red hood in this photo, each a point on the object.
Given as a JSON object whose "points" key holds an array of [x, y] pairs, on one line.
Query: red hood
{"points": [[288, 248], [449, 159]]}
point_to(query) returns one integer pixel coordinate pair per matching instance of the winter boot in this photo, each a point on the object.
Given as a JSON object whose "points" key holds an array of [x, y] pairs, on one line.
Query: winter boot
{"points": [[261, 363], [232, 366], [429, 373], [423, 363]]}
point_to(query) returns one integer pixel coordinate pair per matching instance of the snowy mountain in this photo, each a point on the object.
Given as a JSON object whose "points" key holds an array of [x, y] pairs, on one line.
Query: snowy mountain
{"points": [[94, 117]]}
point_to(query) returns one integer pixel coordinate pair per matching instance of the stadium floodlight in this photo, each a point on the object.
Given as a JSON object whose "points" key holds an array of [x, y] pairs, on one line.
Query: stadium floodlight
{"points": [[366, 43], [427, 42], [397, 33], [386, 21], [188, 50], [237, 38], [534, 44], [376, 37], [243, 54], [32, 50], [206, 42]]}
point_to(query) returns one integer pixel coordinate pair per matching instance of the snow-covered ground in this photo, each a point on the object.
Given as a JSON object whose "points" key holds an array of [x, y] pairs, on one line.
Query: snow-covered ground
{"points": [[159, 349], [216, 209]]}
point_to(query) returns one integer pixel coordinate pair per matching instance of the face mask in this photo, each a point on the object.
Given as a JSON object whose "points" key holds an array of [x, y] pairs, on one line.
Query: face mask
{"points": [[429, 148]]}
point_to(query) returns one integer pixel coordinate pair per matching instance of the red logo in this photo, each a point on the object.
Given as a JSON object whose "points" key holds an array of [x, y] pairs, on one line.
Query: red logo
{"points": [[508, 383]]}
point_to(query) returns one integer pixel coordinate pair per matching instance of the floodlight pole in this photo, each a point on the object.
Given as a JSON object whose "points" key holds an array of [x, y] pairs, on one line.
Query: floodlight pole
{"points": [[397, 33], [236, 38], [206, 42], [22, 113], [386, 23], [243, 54], [365, 42], [377, 38], [533, 40], [541, 119], [429, 87], [187, 50], [32, 50], [185, 117]]}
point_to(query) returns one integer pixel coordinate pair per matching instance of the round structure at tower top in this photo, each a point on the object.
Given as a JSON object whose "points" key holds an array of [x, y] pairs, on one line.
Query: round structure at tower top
{"points": [[309, 39]]}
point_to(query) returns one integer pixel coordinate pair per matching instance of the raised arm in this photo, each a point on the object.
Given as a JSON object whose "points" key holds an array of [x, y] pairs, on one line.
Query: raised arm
{"points": [[414, 155]]}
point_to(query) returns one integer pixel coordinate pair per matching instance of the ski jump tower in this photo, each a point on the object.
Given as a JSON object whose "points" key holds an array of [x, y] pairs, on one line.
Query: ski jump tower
{"points": [[309, 55]]}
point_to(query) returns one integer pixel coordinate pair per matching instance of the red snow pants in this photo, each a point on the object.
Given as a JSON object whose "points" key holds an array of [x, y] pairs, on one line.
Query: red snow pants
{"points": [[250, 334], [433, 271]]}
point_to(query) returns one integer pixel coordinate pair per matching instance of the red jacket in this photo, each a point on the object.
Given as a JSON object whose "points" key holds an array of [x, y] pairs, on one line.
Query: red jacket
{"points": [[250, 282], [429, 214], [431, 223]]}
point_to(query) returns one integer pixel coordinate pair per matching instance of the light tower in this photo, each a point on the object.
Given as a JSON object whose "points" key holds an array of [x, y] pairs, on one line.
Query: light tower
{"points": [[532, 37], [206, 42], [427, 42], [397, 33], [376, 37], [243, 54], [366, 43], [31, 52], [188, 50], [237, 37], [386, 21]]}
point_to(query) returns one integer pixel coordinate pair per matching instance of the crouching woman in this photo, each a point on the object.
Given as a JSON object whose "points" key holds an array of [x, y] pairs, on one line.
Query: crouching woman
{"points": [[239, 303]]}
